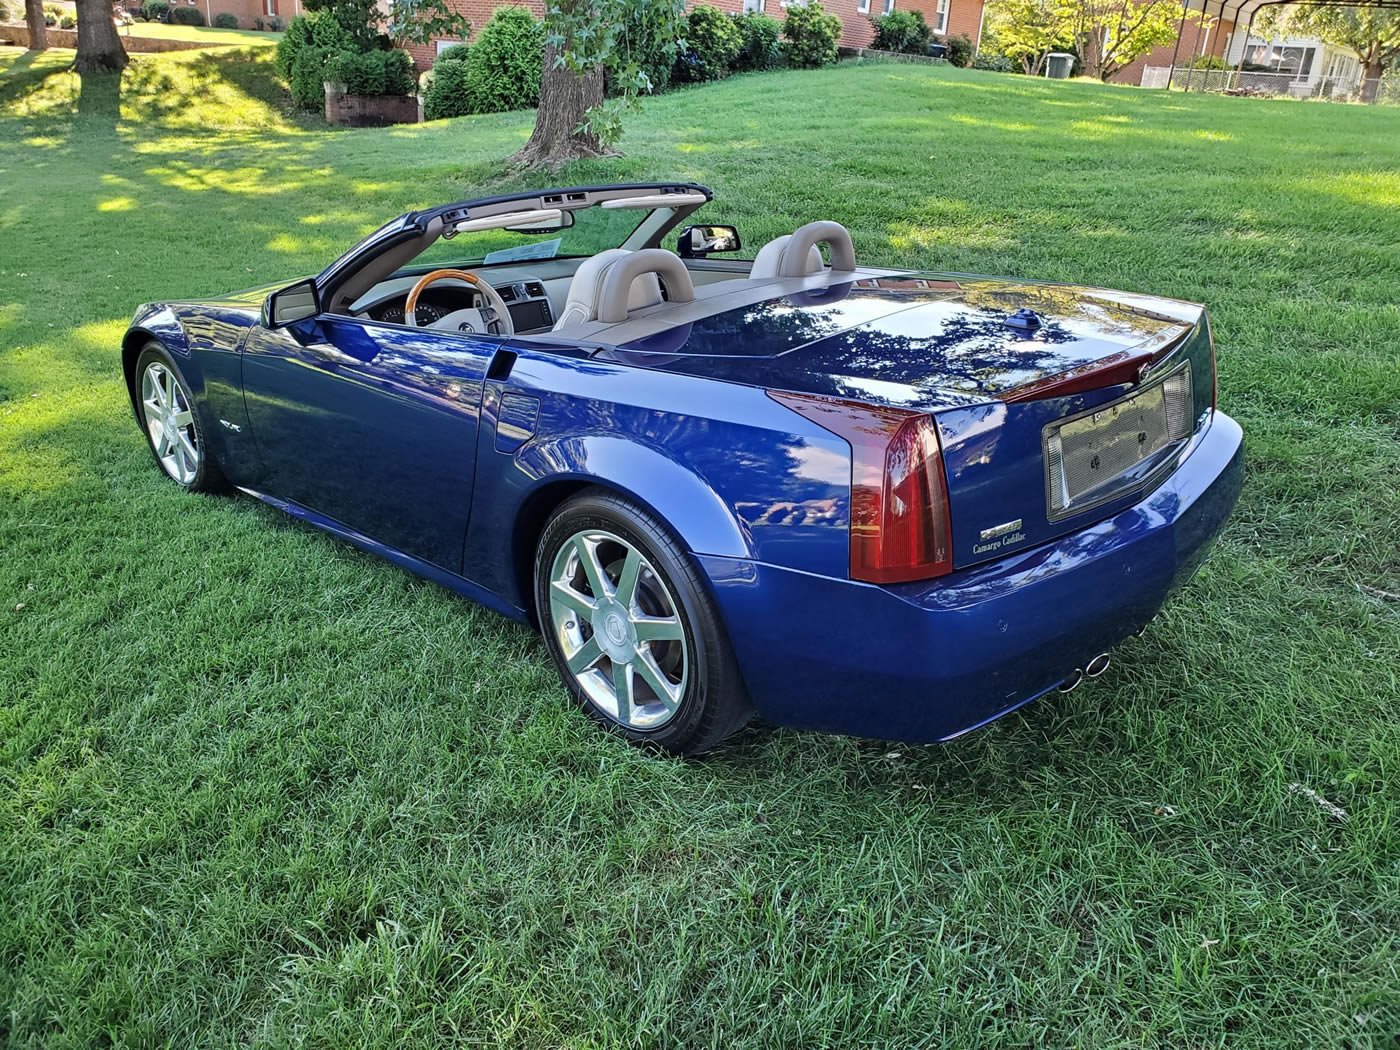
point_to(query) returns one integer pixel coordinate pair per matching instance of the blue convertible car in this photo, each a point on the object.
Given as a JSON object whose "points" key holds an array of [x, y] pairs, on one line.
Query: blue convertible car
{"points": [[857, 499]]}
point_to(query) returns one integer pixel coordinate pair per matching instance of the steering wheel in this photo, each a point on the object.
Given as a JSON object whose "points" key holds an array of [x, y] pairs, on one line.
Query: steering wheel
{"points": [[492, 319]]}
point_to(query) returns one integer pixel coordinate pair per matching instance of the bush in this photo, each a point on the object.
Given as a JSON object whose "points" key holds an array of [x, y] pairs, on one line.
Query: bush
{"points": [[1207, 62], [155, 10], [759, 36], [712, 43], [994, 63], [904, 31], [503, 66], [640, 43], [225, 20], [317, 31], [67, 22], [185, 16], [455, 53], [447, 94], [359, 19], [811, 36], [371, 72], [959, 50], [275, 25]]}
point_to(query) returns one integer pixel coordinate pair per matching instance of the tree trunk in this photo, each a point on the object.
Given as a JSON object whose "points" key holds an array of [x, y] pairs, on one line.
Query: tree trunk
{"points": [[1371, 75], [565, 97], [99, 48], [34, 19]]}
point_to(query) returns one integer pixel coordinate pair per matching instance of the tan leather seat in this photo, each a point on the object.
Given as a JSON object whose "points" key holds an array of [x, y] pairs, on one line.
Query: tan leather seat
{"points": [[797, 254], [613, 283]]}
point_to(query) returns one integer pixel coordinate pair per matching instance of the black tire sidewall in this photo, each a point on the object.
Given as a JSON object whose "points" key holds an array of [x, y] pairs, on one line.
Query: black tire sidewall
{"points": [[208, 476], [714, 702]]}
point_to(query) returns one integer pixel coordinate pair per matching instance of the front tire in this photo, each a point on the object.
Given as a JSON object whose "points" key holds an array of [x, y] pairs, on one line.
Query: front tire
{"points": [[632, 630], [173, 428]]}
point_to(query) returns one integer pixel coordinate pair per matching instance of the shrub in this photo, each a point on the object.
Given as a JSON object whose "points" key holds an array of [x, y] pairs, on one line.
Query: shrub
{"points": [[359, 19], [447, 95], [455, 53], [185, 16], [155, 10], [317, 31], [904, 31], [995, 63], [67, 22], [371, 72], [503, 66], [811, 36], [1207, 62], [959, 50], [258, 23], [225, 20], [759, 35], [712, 43], [275, 25], [640, 43]]}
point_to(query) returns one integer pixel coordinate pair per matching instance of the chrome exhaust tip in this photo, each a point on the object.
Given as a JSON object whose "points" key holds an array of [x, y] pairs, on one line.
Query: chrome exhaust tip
{"points": [[1075, 677], [1097, 666]]}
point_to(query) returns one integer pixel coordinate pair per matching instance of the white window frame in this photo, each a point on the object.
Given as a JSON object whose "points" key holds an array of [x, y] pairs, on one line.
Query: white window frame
{"points": [[863, 7], [889, 7], [753, 7], [940, 17]]}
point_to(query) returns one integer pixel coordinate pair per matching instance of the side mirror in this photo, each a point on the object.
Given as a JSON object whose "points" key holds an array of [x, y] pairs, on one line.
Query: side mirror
{"points": [[296, 302], [698, 241]]}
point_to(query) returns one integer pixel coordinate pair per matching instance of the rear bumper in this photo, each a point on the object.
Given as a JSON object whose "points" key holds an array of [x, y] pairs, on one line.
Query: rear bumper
{"points": [[926, 661]]}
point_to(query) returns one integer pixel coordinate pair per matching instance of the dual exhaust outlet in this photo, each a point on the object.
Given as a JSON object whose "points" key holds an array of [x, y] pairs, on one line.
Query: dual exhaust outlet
{"points": [[1095, 667]]}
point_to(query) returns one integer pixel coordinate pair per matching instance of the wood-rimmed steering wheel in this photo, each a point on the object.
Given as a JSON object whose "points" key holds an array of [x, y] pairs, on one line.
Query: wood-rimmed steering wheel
{"points": [[492, 319]]}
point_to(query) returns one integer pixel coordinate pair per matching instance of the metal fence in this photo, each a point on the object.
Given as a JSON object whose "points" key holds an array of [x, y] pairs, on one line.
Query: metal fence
{"points": [[1230, 82]]}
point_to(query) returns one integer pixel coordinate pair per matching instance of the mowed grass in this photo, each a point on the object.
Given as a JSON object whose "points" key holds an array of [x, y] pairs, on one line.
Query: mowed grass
{"points": [[211, 35], [257, 788]]}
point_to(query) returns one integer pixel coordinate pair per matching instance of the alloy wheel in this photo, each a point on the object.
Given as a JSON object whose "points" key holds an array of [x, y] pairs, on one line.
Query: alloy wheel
{"points": [[620, 629], [170, 422]]}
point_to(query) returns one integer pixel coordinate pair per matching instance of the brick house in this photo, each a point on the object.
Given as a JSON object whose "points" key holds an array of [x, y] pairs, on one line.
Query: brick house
{"points": [[1197, 41], [246, 11], [946, 18]]}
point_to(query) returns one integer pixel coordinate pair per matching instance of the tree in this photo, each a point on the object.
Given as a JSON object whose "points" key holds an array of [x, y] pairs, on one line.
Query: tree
{"points": [[586, 47], [1109, 34], [1027, 30], [34, 19], [1373, 33], [100, 49]]}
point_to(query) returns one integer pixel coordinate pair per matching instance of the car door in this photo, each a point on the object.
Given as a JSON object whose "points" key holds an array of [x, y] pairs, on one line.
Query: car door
{"points": [[374, 425]]}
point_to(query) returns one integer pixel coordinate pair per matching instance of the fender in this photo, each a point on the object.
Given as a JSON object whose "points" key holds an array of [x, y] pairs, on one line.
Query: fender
{"points": [[515, 493]]}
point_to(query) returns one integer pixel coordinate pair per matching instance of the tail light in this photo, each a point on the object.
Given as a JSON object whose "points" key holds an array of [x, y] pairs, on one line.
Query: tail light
{"points": [[900, 529]]}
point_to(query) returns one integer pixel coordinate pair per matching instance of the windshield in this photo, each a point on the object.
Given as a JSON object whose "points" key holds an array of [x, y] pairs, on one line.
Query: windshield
{"points": [[594, 230]]}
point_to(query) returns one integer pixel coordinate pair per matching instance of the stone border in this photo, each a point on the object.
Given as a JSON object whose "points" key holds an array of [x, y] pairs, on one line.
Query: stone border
{"points": [[859, 53]]}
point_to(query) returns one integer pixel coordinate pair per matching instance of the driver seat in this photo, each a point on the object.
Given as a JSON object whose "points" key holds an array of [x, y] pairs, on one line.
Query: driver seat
{"points": [[614, 283]]}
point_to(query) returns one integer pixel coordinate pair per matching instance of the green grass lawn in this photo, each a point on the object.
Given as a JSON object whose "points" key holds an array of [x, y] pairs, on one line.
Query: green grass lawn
{"points": [[203, 34], [258, 788]]}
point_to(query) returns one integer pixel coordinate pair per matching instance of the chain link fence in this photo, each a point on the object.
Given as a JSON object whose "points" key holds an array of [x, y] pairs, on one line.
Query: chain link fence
{"points": [[1230, 82]]}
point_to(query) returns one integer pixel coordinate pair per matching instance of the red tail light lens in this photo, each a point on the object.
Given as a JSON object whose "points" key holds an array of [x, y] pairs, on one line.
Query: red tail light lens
{"points": [[900, 528]]}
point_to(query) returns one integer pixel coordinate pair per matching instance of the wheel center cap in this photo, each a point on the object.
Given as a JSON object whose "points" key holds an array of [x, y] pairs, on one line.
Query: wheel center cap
{"points": [[614, 632], [617, 631]]}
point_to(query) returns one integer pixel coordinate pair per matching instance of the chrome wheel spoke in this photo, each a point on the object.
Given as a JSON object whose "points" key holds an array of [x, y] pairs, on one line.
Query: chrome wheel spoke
{"points": [[587, 655], [183, 418], [666, 691], [622, 687], [592, 567], [657, 628], [565, 595], [627, 578]]}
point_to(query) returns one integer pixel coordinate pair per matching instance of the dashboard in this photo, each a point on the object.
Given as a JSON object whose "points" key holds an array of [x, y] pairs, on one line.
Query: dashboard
{"points": [[526, 299]]}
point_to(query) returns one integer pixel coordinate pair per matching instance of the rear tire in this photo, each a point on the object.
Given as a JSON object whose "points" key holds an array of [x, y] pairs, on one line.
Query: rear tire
{"points": [[173, 429], [631, 628]]}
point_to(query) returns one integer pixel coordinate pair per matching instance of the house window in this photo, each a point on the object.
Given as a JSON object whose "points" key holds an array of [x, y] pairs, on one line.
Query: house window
{"points": [[443, 45], [753, 7], [889, 7], [270, 7], [863, 7], [940, 17]]}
